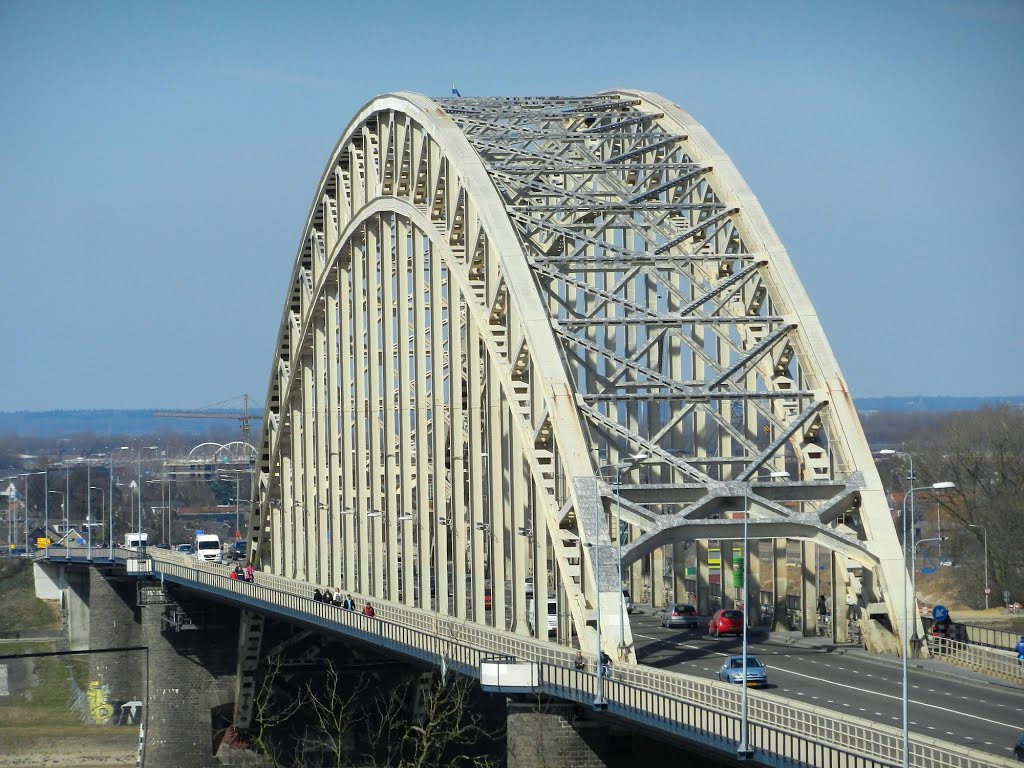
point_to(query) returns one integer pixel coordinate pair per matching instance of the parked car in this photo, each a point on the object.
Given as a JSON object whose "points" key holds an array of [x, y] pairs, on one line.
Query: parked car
{"points": [[628, 600], [732, 671], [187, 549], [680, 615], [238, 550], [726, 621]]}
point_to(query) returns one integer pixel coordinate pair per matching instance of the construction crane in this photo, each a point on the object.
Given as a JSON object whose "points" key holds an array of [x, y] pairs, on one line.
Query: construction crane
{"points": [[244, 417]]}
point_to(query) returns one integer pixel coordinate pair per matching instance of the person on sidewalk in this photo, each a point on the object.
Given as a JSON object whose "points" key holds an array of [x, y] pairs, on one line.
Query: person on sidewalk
{"points": [[1020, 651]]}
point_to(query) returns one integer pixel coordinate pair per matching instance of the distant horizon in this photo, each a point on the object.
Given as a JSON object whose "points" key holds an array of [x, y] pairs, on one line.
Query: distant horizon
{"points": [[257, 408]]}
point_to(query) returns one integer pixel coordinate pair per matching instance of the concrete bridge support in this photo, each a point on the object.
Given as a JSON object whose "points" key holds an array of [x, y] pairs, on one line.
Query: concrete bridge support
{"points": [[549, 734], [190, 673], [542, 733], [118, 677]]}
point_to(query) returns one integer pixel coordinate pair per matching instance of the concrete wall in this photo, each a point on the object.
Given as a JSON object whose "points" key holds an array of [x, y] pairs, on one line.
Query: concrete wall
{"points": [[190, 673], [49, 581], [554, 735]]}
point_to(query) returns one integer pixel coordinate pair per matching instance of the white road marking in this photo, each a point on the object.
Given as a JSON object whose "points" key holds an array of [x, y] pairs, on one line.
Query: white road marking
{"points": [[1014, 727]]}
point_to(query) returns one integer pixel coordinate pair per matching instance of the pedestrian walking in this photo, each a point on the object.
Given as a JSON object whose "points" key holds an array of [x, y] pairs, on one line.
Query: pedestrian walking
{"points": [[579, 662], [368, 610], [1020, 651], [606, 664], [248, 571], [349, 604]]}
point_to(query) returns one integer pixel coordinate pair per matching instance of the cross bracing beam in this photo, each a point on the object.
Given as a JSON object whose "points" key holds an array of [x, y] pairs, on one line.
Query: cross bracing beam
{"points": [[492, 298]]}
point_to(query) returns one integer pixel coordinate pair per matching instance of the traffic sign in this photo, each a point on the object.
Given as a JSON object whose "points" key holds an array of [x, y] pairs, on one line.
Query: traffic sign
{"points": [[939, 613], [988, 591]]}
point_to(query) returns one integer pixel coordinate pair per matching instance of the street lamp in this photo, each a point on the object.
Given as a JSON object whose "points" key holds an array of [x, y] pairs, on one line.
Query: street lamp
{"points": [[984, 530], [743, 749], [599, 700], [940, 486], [103, 501], [910, 481], [62, 511], [618, 466]]}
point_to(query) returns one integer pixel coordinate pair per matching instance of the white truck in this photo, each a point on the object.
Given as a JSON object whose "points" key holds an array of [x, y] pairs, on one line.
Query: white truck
{"points": [[208, 547], [135, 540]]}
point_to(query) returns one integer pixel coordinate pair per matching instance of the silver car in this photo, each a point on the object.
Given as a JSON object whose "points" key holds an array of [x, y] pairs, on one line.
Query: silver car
{"points": [[680, 615], [732, 671]]}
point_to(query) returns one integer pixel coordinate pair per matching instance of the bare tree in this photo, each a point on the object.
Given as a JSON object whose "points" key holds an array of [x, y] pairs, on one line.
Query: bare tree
{"points": [[983, 453], [274, 707], [335, 714], [449, 731]]}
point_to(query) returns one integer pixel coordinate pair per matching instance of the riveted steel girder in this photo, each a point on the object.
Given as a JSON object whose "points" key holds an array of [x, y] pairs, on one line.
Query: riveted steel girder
{"points": [[497, 301]]}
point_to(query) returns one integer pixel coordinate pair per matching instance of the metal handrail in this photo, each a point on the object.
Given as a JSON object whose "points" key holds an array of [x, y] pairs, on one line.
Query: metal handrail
{"points": [[694, 708]]}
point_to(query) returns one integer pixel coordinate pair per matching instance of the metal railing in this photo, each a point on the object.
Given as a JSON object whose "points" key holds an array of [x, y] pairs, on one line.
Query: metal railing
{"points": [[785, 732], [992, 662]]}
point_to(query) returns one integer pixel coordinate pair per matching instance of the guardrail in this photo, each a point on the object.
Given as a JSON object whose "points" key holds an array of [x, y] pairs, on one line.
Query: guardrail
{"points": [[979, 658], [784, 732]]}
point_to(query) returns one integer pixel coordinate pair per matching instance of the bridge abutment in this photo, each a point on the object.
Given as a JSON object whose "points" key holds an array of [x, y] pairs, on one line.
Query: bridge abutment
{"points": [[543, 733], [190, 673], [554, 735]]}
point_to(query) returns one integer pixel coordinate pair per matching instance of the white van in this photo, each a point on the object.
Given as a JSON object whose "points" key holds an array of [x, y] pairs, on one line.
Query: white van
{"points": [[552, 616], [208, 547], [135, 540]]}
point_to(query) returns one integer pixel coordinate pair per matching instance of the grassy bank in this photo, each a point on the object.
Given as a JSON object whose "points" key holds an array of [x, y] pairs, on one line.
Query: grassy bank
{"points": [[38, 725], [20, 609]]}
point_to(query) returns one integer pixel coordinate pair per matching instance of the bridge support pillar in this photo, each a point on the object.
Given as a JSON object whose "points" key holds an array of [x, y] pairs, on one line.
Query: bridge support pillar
{"points": [[808, 595], [190, 673], [753, 573], [551, 734], [115, 678], [780, 567], [703, 572]]}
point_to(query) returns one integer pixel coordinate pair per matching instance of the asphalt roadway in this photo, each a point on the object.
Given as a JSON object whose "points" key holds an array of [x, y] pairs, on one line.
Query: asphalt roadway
{"points": [[945, 701]]}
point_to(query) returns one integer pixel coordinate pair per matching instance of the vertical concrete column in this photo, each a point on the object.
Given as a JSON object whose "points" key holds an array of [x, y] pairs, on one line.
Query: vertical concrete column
{"points": [[780, 568], [726, 548], [658, 577], [189, 672], [115, 677], [808, 597], [703, 603], [554, 735], [678, 573], [754, 583], [839, 592]]}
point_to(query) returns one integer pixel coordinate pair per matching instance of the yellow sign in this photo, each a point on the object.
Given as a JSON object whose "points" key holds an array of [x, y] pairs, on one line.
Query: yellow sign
{"points": [[714, 557], [43, 543]]}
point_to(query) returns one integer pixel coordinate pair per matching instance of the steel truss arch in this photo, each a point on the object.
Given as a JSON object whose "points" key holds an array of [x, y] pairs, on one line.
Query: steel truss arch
{"points": [[495, 303]]}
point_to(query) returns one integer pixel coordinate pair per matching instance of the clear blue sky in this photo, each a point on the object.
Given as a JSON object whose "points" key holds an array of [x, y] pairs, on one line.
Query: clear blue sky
{"points": [[157, 161]]}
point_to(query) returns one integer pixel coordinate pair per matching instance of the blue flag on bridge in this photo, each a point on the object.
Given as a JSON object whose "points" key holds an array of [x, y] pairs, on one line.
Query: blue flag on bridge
{"points": [[455, 91]]}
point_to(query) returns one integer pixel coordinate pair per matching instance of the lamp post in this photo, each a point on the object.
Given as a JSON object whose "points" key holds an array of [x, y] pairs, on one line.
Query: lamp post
{"points": [[984, 531], [618, 466], [940, 486], [103, 501], [599, 700], [743, 749], [910, 482], [61, 494]]}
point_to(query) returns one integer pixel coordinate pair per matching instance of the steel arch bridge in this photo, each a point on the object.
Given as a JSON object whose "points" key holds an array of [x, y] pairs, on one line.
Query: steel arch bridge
{"points": [[526, 337]]}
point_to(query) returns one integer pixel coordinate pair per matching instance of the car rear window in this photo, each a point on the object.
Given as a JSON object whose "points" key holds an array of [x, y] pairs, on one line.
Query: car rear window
{"points": [[732, 614]]}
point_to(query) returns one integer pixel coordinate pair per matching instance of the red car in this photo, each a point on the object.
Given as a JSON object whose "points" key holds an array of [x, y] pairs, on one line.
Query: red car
{"points": [[726, 622]]}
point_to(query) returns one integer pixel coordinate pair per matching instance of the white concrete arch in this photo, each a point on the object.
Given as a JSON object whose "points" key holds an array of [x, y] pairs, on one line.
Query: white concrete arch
{"points": [[514, 323]]}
